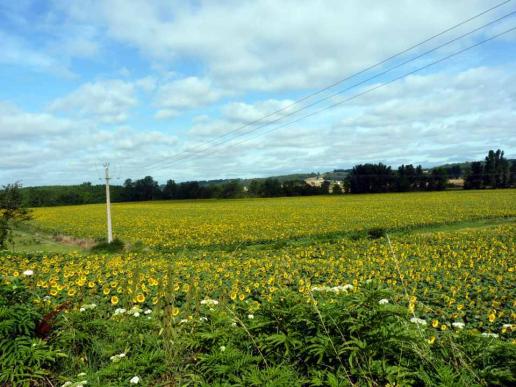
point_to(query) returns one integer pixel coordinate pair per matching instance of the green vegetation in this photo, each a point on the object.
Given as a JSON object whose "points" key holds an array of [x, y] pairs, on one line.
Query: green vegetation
{"points": [[495, 172], [396, 289]]}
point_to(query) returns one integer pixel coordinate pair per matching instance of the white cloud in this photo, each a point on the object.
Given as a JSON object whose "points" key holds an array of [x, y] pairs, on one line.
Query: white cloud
{"points": [[17, 124], [246, 113], [185, 93], [235, 62], [263, 45], [428, 119], [15, 51], [41, 148], [109, 101]]}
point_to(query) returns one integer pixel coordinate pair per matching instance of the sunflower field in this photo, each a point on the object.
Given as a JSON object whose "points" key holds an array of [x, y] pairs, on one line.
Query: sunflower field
{"points": [[389, 289]]}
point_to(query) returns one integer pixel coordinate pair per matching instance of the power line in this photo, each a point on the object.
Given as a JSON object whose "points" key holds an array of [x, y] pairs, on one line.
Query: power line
{"points": [[370, 89], [173, 161], [345, 79]]}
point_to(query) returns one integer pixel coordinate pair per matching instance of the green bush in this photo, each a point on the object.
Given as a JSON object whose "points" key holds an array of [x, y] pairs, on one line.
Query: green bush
{"points": [[376, 233], [24, 358], [104, 247]]}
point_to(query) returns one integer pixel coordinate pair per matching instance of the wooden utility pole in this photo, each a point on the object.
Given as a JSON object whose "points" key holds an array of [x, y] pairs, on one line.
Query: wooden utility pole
{"points": [[108, 204]]}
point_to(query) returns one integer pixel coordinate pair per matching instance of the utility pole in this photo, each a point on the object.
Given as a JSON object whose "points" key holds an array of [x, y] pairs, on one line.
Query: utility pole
{"points": [[108, 204]]}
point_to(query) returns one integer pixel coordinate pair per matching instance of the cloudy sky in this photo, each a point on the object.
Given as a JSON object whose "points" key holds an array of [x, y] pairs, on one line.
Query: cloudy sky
{"points": [[207, 89]]}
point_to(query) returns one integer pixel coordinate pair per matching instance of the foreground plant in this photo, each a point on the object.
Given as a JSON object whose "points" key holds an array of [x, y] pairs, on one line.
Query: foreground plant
{"points": [[24, 358]]}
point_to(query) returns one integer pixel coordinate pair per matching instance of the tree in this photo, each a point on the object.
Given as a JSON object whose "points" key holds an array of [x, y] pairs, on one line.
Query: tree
{"points": [[254, 188], [496, 170], [438, 179], [490, 169], [271, 187], [370, 178], [512, 174], [474, 178], [229, 190], [11, 211], [170, 190], [325, 187], [336, 189], [406, 178]]}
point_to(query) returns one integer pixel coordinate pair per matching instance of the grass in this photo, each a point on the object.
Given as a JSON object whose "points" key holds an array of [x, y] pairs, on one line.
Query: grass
{"points": [[37, 242]]}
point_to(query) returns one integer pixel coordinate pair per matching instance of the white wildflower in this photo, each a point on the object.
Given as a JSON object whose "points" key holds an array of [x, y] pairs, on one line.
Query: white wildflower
{"points": [[81, 383], [119, 311], [489, 334], [222, 348], [81, 374], [507, 326], [250, 316], [203, 319], [148, 311], [135, 380], [87, 306], [458, 325], [334, 289], [66, 384], [135, 311], [209, 302], [117, 358], [28, 272], [418, 321], [183, 321], [383, 301], [233, 324]]}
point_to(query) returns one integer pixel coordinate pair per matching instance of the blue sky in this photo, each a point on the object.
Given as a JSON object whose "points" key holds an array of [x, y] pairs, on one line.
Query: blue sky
{"points": [[151, 86]]}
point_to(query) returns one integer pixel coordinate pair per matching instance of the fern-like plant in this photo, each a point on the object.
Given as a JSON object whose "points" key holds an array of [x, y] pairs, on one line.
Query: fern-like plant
{"points": [[24, 358]]}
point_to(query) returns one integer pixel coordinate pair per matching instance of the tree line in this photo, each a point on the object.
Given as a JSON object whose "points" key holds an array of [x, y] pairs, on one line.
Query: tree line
{"points": [[494, 172]]}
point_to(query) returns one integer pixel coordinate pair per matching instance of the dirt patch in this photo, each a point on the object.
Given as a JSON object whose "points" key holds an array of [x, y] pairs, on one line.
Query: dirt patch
{"points": [[73, 241]]}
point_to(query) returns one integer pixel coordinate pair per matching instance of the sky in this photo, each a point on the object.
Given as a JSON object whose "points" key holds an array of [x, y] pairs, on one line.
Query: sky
{"points": [[194, 90]]}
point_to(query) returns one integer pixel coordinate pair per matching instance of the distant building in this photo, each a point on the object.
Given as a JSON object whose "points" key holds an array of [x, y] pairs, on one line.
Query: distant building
{"points": [[314, 181], [318, 181]]}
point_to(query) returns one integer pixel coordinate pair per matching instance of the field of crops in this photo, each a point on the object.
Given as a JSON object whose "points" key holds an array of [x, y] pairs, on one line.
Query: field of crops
{"points": [[169, 225], [200, 288]]}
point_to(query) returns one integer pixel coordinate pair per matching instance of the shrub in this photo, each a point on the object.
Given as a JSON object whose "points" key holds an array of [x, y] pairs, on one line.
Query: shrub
{"points": [[24, 358], [376, 233], [104, 247]]}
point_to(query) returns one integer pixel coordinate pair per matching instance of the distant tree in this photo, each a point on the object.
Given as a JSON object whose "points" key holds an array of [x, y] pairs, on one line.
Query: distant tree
{"points": [[454, 171], [512, 174], [293, 188], [232, 189], [271, 187], [438, 179], [370, 178], [475, 176], [12, 210], [170, 190], [254, 188], [406, 178], [496, 170], [503, 170], [325, 187], [129, 193], [490, 167], [336, 189]]}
